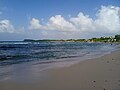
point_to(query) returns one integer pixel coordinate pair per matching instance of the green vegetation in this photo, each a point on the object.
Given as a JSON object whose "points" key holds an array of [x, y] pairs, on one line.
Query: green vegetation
{"points": [[116, 38]]}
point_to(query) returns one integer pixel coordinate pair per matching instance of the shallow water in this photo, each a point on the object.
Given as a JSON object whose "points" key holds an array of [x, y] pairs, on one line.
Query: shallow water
{"points": [[24, 61]]}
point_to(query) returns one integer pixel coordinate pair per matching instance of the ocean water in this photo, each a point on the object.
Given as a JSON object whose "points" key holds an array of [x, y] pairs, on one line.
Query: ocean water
{"points": [[26, 60]]}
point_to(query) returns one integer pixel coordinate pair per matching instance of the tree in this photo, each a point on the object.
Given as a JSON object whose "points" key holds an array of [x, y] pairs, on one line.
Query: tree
{"points": [[117, 37]]}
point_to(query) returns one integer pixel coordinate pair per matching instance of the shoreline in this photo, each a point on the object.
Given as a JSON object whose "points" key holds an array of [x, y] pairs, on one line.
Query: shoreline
{"points": [[100, 73]]}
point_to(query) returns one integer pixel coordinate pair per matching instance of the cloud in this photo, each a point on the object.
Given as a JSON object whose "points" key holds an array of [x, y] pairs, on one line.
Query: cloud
{"points": [[35, 24], [59, 23], [82, 22], [107, 21], [6, 26], [55, 23]]}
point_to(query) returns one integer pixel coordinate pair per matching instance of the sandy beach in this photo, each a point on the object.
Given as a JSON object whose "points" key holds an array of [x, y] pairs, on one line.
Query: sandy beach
{"points": [[96, 74]]}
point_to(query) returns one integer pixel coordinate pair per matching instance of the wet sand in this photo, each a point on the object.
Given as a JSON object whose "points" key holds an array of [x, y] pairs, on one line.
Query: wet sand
{"points": [[96, 74]]}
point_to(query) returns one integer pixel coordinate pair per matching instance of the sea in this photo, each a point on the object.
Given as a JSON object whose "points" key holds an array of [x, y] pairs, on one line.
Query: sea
{"points": [[26, 61]]}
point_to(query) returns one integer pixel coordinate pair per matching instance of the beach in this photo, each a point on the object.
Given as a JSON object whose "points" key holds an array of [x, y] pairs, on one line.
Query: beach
{"points": [[60, 45], [101, 73]]}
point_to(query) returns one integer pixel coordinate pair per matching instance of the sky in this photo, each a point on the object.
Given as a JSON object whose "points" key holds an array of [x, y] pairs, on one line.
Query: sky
{"points": [[58, 19]]}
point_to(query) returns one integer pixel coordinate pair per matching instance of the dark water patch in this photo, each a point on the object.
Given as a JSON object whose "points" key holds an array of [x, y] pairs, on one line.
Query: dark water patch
{"points": [[2, 58]]}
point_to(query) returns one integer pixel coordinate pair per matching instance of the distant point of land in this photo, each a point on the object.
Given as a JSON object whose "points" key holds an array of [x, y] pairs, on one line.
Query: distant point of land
{"points": [[111, 39]]}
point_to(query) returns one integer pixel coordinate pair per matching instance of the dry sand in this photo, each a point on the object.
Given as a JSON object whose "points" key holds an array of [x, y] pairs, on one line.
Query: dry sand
{"points": [[97, 74]]}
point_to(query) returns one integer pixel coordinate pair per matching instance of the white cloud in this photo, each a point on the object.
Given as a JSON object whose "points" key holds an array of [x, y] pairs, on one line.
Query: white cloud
{"points": [[55, 23], [107, 21], [6, 26], [35, 24], [82, 22], [59, 23]]}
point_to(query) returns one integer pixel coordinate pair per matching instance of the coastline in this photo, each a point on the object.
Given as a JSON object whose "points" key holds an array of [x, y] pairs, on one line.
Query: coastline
{"points": [[100, 73]]}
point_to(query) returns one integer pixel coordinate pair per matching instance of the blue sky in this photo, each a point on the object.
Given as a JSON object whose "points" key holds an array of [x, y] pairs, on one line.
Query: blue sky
{"points": [[20, 14]]}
